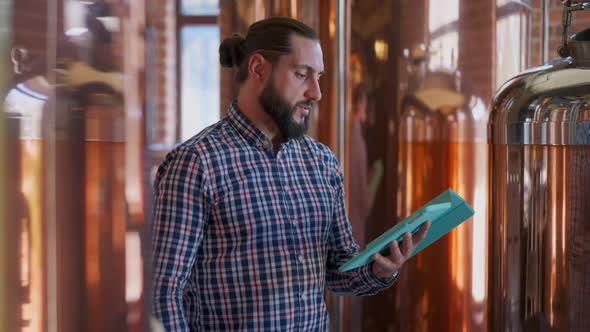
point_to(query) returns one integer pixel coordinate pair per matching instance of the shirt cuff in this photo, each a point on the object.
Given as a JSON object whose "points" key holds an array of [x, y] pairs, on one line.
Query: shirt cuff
{"points": [[370, 278]]}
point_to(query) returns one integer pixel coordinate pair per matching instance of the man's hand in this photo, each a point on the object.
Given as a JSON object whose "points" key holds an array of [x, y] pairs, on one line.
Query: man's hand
{"points": [[385, 267]]}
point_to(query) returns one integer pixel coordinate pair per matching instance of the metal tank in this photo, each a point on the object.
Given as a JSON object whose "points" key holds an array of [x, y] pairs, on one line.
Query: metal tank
{"points": [[23, 108], [66, 248], [420, 144], [72, 241], [539, 134], [91, 214], [106, 212], [17, 266], [443, 145]]}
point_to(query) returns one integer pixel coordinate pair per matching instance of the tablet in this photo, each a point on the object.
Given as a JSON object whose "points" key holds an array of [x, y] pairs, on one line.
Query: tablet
{"points": [[446, 211]]}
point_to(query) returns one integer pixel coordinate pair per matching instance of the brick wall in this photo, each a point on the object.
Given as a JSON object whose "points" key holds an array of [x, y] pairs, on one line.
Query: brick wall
{"points": [[235, 17], [31, 26], [29, 16], [164, 20], [228, 25], [118, 9], [476, 46], [29, 31], [537, 33], [414, 22], [5, 65], [581, 21]]}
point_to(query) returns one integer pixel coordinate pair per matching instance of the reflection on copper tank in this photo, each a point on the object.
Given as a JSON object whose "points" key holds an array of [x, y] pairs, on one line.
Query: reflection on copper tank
{"points": [[91, 215], [540, 195], [25, 231], [105, 214], [442, 145], [65, 241]]}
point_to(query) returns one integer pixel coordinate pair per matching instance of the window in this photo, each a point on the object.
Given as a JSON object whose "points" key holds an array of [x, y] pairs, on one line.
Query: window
{"points": [[443, 20], [199, 7], [512, 30], [198, 65]]}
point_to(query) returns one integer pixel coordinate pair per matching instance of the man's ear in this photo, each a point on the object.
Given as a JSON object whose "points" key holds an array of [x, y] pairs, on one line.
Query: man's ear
{"points": [[258, 67]]}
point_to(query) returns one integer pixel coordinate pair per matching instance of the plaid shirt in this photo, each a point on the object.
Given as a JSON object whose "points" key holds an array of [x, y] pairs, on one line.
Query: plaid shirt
{"points": [[246, 239]]}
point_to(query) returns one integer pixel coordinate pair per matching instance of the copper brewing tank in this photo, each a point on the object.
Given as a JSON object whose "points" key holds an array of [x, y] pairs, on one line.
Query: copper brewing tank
{"points": [[539, 190], [16, 266], [65, 249], [71, 227], [90, 209], [24, 244], [442, 145]]}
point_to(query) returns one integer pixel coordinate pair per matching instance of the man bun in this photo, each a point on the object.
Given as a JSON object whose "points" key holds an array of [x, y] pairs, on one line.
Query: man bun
{"points": [[232, 51], [270, 38]]}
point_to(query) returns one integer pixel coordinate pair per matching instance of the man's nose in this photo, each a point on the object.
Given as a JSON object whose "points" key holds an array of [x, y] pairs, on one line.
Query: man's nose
{"points": [[313, 91]]}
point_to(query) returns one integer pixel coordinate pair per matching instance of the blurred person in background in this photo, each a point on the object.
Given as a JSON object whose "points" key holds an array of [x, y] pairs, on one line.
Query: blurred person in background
{"points": [[360, 189]]}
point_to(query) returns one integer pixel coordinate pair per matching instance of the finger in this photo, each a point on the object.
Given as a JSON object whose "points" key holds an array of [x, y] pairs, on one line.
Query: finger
{"points": [[385, 263], [422, 232], [396, 255], [407, 245]]}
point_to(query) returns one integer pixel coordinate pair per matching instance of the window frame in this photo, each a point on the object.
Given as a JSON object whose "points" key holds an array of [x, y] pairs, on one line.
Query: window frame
{"points": [[182, 21]]}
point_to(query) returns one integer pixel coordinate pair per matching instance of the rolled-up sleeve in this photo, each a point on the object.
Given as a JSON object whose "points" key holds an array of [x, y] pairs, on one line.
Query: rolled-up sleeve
{"points": [[182, 207]]}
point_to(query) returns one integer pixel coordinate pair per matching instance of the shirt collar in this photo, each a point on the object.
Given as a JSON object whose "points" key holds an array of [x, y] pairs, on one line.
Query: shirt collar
{"points": [[246, 128]]}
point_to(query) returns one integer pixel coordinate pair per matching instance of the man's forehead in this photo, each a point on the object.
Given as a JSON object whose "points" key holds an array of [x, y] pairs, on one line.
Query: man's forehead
{"points": [[307, 53], [306, 67]]}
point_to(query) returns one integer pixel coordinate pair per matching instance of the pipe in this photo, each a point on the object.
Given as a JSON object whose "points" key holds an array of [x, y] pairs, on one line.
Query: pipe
{"points": [[342, 77], [545, 32], [50, 183]]}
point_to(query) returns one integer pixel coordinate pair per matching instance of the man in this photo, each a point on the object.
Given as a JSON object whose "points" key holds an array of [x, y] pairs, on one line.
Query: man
{"points": [[250, 224]]}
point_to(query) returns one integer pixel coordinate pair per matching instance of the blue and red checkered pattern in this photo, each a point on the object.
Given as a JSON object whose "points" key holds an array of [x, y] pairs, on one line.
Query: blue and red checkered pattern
{"points": [[247, 239]]}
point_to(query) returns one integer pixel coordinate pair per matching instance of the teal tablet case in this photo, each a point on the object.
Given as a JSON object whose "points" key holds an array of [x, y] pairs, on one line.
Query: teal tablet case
{"points": [[447, 211]]}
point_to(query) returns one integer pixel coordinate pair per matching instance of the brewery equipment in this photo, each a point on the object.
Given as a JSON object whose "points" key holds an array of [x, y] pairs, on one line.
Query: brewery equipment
{"points": [[90, 208], [65, 246], [539, 135], [442, 145], [26, 268]]}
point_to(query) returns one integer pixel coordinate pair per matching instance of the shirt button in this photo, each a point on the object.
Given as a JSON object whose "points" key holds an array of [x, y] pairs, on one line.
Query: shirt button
{"points": [[303, 296], [301, 260]]}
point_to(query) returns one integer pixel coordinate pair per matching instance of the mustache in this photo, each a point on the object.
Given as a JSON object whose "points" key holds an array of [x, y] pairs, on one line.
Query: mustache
{"points": [[307, 103]]}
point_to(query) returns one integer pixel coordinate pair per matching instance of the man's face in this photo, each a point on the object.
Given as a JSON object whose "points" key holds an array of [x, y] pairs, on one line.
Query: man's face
{"points": [[293, 88]]}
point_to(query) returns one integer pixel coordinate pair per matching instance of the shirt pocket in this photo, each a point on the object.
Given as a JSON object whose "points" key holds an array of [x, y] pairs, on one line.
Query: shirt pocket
{"points": [[313, 203], [246, 210]]}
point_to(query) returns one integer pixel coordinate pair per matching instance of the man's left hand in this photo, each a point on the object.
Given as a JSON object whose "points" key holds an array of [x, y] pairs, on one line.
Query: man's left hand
{"points": [[385, 267]]}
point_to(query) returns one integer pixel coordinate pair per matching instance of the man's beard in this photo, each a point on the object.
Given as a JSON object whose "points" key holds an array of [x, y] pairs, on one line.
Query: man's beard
{"points": [[282, 112]]}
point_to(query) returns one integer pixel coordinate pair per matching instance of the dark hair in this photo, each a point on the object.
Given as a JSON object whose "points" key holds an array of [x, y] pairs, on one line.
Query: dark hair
{"points": [[270, 37]]}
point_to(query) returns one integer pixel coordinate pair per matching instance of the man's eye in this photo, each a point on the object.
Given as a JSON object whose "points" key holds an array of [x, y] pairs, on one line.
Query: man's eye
{"points": [[299, 75]]}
